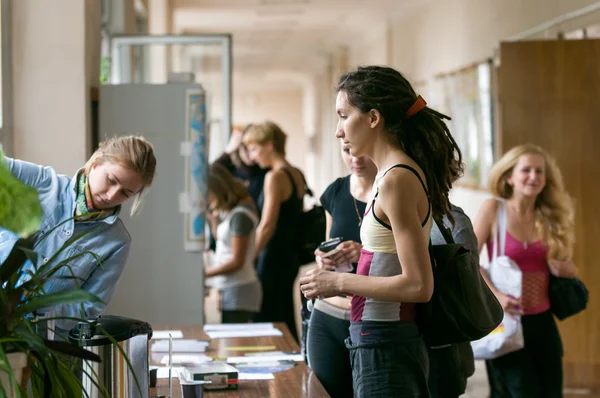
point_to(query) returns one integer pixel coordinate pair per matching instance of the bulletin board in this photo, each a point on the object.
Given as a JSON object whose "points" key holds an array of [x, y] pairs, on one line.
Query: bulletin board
{"points": [[466, 96]]}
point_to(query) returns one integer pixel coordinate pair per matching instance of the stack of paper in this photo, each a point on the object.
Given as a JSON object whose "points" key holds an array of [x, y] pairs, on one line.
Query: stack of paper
{"points": [[267, 362], [165, 334], [233, 330], [256, 376], [163, 373], [265, 367], [186, 359], [267, 357], [180, 345]]}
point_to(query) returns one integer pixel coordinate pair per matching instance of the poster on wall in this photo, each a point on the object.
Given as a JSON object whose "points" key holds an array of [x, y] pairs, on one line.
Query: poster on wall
{"points": [[466, 96], [195, 150]]}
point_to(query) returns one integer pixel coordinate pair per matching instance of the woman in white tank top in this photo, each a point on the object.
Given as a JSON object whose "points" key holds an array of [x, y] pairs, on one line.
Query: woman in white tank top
{"points": [[234, 227]]}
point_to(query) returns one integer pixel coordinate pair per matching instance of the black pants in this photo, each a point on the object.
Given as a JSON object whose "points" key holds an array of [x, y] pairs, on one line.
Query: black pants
{"points": [[328, 356], [446, 376], [236, 316], [388, 359], [278, 300], [534, 371]]}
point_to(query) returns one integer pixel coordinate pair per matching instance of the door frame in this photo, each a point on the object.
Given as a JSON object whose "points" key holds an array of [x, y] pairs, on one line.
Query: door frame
{"points": [[120, 44]]}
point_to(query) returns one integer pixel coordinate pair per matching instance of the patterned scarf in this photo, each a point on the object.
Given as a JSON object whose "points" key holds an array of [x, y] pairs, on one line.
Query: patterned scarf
{"points": [[84, 208]]}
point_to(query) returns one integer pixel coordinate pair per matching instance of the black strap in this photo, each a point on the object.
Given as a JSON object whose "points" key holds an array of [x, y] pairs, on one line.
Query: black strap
{"points": [[407, 167], [446, 233], [307, 190], [294, 194]]}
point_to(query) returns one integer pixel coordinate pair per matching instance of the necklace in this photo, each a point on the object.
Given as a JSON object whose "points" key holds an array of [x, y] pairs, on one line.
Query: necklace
{"points": [[531, 231], [357, 212]]}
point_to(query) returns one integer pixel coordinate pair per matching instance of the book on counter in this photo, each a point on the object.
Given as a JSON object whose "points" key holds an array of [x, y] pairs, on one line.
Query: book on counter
{"points": [[220, 375]]}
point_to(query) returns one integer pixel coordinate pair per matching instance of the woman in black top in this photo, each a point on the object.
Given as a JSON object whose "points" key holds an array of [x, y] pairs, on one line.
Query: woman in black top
{"points": [[344, 201], [280, 203], [237, 161]]}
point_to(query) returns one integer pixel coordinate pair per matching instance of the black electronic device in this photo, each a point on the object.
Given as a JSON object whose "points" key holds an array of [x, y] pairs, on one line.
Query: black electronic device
{"points": [[330, 244]]}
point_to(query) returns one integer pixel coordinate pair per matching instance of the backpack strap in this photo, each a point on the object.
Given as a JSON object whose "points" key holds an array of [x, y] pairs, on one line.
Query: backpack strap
{"points": [[307, 189], [445, 231], [289, 174], [411, 169]]}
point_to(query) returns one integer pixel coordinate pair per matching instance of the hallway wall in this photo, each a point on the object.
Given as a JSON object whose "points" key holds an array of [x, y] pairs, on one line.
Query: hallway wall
{"points": [[283, 107], [446, 35], [53, 48]]}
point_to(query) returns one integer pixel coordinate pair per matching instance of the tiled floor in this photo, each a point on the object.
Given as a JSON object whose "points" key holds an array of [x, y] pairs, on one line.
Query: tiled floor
{"points": [[477, 386]]}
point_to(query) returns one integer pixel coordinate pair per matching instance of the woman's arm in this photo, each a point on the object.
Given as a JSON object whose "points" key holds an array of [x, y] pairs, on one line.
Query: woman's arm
{"points": [[398, 200], [239, 246], [274, 182], [213, 222], [102, 283], [328, 222], [348, 253], [563, 269], [39, 177], [325, 263], [484, 222]]}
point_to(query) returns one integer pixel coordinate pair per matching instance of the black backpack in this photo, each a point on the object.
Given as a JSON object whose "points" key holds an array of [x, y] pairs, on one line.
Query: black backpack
{"points": [[462, 307], [311, 231]]}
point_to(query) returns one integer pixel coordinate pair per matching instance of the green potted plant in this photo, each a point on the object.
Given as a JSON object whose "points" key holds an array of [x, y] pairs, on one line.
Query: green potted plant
{"points": [[50, 368]]}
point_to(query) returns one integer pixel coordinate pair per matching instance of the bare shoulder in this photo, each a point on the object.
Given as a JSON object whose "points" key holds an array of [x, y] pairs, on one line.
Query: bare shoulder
{"points": [[275, 180], [401, 183], [486, 218], [275, 176], [488, 208]]}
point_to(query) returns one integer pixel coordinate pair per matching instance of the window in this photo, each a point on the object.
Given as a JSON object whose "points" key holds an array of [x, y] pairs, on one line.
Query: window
{"points": [[2, 36], [5, 76]]}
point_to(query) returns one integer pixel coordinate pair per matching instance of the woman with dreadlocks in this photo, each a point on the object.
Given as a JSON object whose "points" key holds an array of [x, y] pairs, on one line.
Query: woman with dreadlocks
{"points": [[381, 116]]}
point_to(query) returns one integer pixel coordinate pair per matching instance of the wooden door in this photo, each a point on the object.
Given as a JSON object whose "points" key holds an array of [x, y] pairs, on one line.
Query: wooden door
{"points": [[549, 95]]}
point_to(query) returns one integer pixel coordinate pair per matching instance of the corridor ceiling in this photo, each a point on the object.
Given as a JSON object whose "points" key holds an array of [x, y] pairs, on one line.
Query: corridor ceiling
{"points": [[294, 37]]}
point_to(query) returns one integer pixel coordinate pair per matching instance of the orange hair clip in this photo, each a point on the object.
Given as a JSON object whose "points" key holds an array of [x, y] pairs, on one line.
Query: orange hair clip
{"points": [[416, 107]]}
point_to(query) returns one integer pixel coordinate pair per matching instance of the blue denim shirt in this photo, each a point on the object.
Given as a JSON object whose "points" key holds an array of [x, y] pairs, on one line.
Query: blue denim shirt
{"points": [[109, 240]]}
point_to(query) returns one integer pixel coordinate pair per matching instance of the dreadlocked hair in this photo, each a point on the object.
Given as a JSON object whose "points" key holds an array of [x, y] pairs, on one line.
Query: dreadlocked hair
{"points": [[424, 136]]}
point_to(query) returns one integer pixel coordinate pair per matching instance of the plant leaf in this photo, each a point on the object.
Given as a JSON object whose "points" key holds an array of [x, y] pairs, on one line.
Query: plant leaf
{"points": [[15, 260], [20, 208], [72, 350], [65, 246], [58, 298]]}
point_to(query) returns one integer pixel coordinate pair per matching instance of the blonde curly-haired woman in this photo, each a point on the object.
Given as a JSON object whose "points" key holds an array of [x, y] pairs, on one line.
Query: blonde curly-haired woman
{"points": [[539, 238]]}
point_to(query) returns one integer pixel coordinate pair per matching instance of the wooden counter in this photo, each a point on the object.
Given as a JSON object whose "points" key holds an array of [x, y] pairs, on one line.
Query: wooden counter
{"points": [[299, 381]]}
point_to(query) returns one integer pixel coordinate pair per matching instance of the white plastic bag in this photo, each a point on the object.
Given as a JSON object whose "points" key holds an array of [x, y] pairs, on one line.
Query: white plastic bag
{"points": [[506, 338], [506, 276]]}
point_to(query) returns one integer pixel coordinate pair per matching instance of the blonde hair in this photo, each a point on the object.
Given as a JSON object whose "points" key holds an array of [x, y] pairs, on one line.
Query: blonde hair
{"points": [[227, 190], [131, 152], [265, 133], [554, 207]]}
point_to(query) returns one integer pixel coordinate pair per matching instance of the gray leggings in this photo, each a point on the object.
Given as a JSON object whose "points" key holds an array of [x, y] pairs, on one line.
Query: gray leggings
{"points": [[328, 356]]}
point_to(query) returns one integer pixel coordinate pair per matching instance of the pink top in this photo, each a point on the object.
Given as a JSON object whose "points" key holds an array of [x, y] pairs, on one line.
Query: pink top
{"points": [[533, 262]]}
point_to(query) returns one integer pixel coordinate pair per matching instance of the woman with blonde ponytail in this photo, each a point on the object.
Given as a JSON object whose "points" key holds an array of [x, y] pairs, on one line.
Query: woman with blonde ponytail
{"points": [[85, 208], [539, 238]]}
